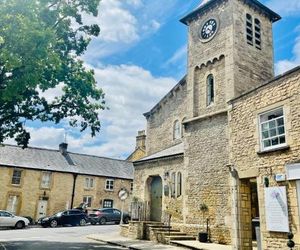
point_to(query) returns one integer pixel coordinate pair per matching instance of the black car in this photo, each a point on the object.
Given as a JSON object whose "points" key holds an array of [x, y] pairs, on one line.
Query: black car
{"points": [[72, 217], [104, 215]]}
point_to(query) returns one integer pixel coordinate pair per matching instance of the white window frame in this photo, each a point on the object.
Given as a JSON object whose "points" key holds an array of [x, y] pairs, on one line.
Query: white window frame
{"points": [[89, 183], [261, 139], [88, 199], [46, 183], [105, 201], [109, 184], [20, 178]]}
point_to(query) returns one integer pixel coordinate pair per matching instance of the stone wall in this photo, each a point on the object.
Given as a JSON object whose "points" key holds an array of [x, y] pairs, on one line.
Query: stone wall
{"points": [[144, 171], [160, 123], [246, 153], [208, 177]]}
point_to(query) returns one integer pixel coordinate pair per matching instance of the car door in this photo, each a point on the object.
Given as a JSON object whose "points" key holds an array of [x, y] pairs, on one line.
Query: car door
{"points": [[117, 215], [109, 213], [65, 218], [7, 219]]}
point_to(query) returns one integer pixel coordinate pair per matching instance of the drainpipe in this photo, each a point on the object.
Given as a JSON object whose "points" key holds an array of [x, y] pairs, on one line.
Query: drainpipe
{"points": [[235, 206], [73, 191]]}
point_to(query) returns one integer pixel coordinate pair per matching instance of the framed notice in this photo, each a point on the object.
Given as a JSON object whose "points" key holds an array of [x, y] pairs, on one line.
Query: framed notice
{"points": [[277, 217]]}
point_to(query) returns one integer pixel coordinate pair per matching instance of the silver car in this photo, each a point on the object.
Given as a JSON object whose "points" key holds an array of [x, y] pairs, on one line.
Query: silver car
{"points": [[8, 219]]}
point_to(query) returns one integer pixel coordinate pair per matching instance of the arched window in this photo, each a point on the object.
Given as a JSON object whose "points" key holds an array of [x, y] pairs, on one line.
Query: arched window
{"points": [[249, 29], [210, 89], [179, 184], [173, 185], [257, 28], [176, 130]]}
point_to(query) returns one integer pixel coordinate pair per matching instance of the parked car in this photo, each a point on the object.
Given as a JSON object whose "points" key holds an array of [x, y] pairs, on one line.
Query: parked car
{"points": [[104, 215], [72, 217], [8, 219]]}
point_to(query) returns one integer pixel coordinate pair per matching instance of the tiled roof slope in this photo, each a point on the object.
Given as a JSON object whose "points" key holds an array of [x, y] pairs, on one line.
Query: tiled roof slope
{"points": [[172, 151], [53, 160]]}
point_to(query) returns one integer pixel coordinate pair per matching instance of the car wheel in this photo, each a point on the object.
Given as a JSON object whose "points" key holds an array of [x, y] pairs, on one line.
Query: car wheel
{"points": [[20, 225], [126, 220], [102, 221], [53, 223], [82, 222]]}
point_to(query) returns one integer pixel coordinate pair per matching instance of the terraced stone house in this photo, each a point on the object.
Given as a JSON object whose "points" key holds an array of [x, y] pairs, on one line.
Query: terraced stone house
{"points": [[39, 182]]}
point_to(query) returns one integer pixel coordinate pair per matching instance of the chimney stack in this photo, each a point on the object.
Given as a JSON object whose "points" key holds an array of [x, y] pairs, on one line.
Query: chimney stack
{"points": [[141, 140], [63, 148]]}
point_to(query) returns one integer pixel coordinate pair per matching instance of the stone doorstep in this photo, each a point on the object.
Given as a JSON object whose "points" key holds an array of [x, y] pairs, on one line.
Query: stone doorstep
{"points": [[168, 238], [159, 230], [196, 245]]}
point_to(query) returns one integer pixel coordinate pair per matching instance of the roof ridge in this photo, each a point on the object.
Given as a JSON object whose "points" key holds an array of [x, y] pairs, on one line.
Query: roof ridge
{"points": [[69, 152]]}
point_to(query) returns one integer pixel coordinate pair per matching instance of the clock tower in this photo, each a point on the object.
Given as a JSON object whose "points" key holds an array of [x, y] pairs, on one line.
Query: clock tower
{"points": [[230, 51]]}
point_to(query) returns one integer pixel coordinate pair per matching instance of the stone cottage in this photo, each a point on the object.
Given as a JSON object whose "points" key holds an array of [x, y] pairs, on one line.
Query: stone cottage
{"points": [[190, 158]]}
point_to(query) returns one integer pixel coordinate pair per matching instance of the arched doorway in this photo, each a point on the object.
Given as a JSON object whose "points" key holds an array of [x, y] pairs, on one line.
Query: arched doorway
{"points": [[156, 198]]}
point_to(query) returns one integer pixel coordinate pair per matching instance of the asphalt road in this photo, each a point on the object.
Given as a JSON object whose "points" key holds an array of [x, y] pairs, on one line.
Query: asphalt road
{"points": [[55, 238]]}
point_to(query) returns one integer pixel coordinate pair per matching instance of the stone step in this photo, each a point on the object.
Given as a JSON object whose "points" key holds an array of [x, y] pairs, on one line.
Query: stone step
{"points": [[170, 238], [159, 227], [172, 233], [157, 230]]}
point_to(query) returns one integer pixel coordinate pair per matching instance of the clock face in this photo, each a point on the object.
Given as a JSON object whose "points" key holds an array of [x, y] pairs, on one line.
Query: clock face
{"points": [[208, 30]]}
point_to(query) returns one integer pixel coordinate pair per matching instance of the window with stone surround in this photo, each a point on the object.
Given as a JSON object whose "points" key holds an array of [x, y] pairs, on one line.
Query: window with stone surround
{"points": [[249, 29], [13, 203], [210, 90], [89, 183], [16, 178], [107, 203], [257, 33], [272, 129], [46, 180], [88, 200], [179, 184], [109, 185], [173, 185], [176, 130]]}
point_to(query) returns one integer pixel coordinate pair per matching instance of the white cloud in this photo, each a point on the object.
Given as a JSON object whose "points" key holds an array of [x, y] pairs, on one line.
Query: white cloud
{"points": [[179, 56], [285, 8], [130, 91], [285, 65]]}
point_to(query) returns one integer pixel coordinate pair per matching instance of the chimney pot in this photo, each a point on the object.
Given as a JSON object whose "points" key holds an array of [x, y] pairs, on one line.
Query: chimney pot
{"points": [[63, 148]]}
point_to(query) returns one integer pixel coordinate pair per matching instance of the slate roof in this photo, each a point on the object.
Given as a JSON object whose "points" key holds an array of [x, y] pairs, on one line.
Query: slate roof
{"points": [[172, 151], [53, 160], [254, 3]]}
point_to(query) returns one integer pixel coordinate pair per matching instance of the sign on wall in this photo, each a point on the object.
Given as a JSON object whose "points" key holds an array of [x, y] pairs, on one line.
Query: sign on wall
{"points": [[277, 217]]}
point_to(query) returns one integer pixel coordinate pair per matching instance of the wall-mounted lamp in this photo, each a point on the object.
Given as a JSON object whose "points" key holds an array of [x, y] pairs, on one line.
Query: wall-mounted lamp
{"points": [[266, 181]]}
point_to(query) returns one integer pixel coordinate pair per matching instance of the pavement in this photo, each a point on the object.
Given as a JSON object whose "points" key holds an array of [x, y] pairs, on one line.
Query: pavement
{"points": [[115, 238]]}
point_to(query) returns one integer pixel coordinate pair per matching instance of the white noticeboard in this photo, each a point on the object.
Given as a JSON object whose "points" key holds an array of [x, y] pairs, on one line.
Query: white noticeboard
{"points": [[277, 217]]}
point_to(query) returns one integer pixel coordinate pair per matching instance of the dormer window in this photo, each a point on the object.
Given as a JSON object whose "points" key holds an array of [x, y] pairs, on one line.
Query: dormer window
{"points": [[176, 130], [210, 90]]}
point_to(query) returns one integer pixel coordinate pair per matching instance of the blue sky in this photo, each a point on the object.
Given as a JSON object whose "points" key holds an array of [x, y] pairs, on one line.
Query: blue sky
{"points": [[139, 56]]}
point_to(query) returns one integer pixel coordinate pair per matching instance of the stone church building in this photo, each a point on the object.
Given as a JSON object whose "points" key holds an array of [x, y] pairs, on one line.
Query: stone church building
{"points": [[211, 140]]}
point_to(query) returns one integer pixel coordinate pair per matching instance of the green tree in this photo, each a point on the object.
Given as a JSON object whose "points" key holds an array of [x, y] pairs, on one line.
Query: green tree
{"points": [[41, 42]]}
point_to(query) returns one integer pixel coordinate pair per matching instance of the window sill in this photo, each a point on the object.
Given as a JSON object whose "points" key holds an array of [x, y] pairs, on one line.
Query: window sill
{"points": [[271, 150], [16, 185], [108, 190], [88, 189]]}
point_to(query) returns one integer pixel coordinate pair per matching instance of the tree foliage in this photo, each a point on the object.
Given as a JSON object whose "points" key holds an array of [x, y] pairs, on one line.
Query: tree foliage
{"points": [[41, 42]]}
